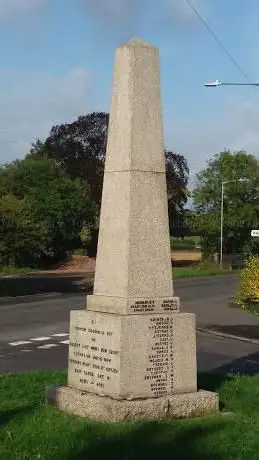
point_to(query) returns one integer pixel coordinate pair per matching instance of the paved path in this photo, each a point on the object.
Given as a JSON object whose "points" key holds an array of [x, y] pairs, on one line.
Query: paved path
{"points": [[34, 335]]}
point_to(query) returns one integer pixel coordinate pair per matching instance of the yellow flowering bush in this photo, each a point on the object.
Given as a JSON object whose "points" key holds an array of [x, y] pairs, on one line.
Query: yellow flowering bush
{"points": [[248, 291]]}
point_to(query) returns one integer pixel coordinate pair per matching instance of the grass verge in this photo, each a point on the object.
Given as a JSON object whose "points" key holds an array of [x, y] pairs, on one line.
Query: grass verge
{"points": [[192, 272], [30, 430], [13, 287], [4, 271], [178, 272]]}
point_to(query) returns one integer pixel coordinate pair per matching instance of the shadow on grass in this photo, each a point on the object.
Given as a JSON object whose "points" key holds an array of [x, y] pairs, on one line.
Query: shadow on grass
{"points": [[149, 441], [45, 284], [155, 440], [212, 382], [7, 416]]}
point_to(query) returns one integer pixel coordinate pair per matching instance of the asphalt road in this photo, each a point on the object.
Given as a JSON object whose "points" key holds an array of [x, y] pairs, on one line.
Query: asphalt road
{"points": [[34, 335]]}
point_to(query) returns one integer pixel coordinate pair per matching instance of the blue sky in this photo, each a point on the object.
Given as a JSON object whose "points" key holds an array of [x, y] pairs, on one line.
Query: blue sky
{"points": [[57, 62]]}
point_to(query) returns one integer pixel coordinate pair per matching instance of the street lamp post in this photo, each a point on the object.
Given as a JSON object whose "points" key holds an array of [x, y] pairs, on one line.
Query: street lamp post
{"points": [[222, 214], [213, 84]]}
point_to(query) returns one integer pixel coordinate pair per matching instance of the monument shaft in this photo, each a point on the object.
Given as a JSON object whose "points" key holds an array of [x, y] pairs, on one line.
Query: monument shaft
{"points": [[133, 263]]}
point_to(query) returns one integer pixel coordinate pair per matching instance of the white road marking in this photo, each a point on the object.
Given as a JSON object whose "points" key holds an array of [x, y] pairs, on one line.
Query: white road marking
{"points": [[48, 345], [65, 342], [26, 351], [40, 339], [60, 335], [17, 344]]}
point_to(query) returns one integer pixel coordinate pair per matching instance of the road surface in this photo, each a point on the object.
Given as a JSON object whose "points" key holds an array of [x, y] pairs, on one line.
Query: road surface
{"points": [[34, 335]]}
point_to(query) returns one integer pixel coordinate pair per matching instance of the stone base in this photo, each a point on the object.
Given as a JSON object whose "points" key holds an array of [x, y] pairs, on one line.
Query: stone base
{"points": [[105, 409]]}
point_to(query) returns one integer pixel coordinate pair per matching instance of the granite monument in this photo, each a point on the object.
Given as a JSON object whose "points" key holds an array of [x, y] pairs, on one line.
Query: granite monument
{"points": [[132, 354]]}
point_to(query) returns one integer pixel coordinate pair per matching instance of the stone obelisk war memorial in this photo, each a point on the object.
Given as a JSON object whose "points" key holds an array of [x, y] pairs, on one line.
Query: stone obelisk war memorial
{"points": [[132, 353]]}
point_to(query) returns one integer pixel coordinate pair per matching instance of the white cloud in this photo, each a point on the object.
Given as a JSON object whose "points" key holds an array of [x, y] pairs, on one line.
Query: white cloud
{"points": [[31, 103], [235, 127], [123, 18], [117, 10], [11, 9], [114, 18]]}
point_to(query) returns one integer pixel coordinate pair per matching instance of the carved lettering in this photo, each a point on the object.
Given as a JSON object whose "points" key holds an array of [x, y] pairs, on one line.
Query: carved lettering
{"points": [[95, 362], [158, 372], [170, 305], [95, 331], [143, 306], [99, 363]]}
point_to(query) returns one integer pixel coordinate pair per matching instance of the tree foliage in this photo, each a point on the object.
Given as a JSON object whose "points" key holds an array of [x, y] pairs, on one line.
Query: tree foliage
{"points": [[21, 241], [80, 147], [177, 175], [49, 202], [241, 200], [42, 211]]}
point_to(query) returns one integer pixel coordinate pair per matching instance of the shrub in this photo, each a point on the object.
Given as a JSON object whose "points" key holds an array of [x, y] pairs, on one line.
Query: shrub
{"points": [[85, 235], [248, 291]]}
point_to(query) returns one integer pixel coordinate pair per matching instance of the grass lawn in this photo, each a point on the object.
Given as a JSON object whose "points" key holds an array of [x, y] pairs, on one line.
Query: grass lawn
{"points": [[178, 272], [29, 430], [192, 272], [4, 271]]}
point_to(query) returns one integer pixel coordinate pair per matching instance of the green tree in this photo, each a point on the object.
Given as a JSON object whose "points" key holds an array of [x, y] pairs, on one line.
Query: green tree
{"points": [[177, 176], [59, 206], [21, 241], [80, 147], [241, 201]]}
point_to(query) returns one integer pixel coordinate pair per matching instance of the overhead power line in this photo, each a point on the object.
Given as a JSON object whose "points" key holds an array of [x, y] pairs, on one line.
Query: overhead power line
{"points": [[219, 42]]}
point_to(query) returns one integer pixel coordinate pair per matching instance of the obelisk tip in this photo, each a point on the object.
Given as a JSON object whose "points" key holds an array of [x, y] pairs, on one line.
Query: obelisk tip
{"points": [[138, 43]]}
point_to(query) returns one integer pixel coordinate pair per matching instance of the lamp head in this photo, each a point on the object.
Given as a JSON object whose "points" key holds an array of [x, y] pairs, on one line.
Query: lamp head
{"points": [[213, 83]]}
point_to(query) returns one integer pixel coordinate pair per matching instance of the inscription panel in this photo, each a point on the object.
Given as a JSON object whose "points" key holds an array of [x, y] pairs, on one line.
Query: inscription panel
{"points": [[169, 358], [133, 305], [149, 364], [132, 356], [169, 305], [94, 355], [158, 366], [143, 306], [154, 305], [160, 362]]}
